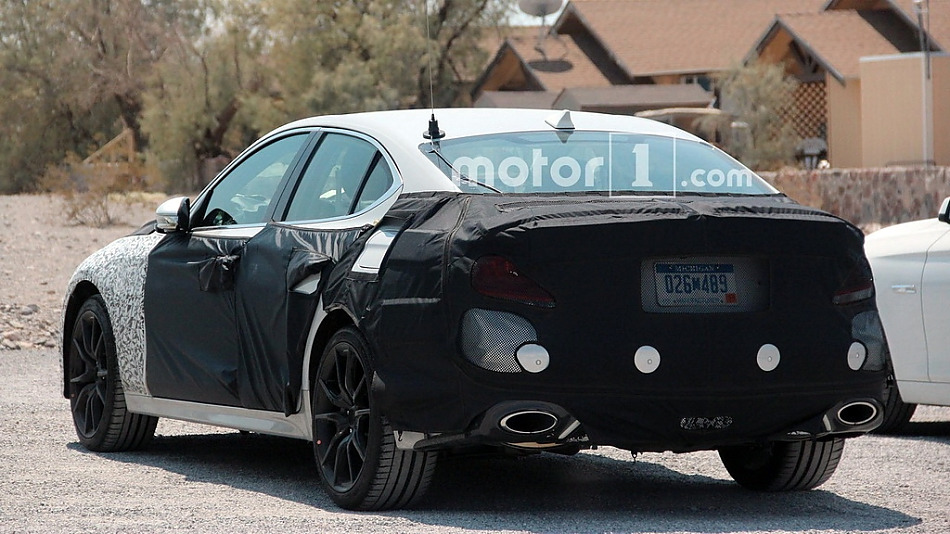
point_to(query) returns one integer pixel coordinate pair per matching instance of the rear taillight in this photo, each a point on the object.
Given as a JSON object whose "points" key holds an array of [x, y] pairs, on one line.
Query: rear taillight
{"points": [[495, 276], [858, 286]]}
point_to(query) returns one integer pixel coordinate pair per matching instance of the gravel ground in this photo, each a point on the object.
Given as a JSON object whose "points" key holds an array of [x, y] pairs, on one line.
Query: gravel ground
{"points": [[204, 479], [39, 251]]}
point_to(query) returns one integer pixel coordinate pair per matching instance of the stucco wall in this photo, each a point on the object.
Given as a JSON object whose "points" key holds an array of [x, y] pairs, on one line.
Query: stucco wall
{"points": [[892, 93], [844, 122], [941, 109], [870, 198]]}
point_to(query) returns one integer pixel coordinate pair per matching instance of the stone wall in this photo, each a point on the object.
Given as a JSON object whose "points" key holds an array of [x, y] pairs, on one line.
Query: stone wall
{"points": [[870, 198]]}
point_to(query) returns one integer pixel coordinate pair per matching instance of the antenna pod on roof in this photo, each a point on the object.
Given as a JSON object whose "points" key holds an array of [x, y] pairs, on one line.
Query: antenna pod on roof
{"points": [[434, 133]]}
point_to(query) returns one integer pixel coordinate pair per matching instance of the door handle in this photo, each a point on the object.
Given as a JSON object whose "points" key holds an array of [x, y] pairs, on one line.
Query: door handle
{"points": [[904, 289]]}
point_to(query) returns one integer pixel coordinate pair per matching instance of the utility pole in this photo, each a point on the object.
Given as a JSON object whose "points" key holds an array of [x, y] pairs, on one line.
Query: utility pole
{"points": [[922, 7]]}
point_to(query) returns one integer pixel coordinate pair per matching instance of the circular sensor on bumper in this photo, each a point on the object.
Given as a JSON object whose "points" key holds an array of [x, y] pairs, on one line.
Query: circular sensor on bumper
{"points": [[857, 353], [768, 357], [533, 357], [647, 359]]}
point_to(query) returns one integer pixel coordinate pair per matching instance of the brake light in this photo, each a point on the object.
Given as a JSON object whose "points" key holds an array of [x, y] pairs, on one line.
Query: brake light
{"points": [[495, 276], [858, 286]]}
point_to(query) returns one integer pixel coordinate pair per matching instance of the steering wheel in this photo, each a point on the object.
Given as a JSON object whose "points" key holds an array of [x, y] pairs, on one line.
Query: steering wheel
{"points": [[219, 217]]}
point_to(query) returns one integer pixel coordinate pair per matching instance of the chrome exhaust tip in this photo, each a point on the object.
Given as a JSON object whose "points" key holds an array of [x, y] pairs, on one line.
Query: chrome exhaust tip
{"points": [[528, 422], [857, 413]]}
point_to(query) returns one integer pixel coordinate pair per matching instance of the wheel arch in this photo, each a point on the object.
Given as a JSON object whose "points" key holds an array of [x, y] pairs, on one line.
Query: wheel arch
{"points": [[334, 320], [79, 295]]}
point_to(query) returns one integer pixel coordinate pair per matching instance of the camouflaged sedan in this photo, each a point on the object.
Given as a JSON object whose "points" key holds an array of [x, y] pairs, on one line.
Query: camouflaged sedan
{"points": [[394, 285]]}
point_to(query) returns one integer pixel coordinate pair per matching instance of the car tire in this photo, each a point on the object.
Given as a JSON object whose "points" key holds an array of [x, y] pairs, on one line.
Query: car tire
{"points": [[897, 413], [783, 465], [360, 466], [96, 397]]}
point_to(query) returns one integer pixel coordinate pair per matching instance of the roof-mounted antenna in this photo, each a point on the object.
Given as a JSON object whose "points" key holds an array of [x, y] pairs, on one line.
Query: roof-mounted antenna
{"points": [[433, 133]]}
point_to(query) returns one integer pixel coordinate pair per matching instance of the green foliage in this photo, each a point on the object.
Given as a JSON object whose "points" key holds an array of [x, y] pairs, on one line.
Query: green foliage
{"points": [[74, 71], [196, 80], [192, 110], [758, 96]]}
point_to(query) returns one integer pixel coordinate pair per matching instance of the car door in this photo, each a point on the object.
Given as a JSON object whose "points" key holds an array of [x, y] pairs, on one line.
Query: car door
{"points": [[192, 342], [272, 290], [935, 302], [345, 186]]}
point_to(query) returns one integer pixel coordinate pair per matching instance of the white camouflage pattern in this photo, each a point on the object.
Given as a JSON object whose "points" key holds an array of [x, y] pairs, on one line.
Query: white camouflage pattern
{"points": [[118, 271]]}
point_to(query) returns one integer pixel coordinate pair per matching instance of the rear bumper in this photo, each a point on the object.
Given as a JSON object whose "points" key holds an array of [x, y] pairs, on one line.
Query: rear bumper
{"points": [[540, 425], [707, 392], [639, 421]]}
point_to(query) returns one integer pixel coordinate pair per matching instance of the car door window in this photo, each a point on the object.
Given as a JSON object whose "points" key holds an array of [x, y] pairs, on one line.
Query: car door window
{"points": [[345, 174], [245, 194], [379, 181]]}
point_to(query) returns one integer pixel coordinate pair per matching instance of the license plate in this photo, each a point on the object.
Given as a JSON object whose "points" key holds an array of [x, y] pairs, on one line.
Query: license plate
{"points": [[696, 284]]}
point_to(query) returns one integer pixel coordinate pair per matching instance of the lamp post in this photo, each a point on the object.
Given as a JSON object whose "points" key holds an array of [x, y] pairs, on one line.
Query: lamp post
{"points": [[922, 8]]}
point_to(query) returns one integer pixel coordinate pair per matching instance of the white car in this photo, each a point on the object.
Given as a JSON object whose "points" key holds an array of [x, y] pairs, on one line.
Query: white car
{"points": [[911, 264]]}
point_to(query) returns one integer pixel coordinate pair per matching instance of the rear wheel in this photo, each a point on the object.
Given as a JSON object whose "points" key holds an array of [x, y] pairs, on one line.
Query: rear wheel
{"points": [[96, 397], [359, 464], [783, 465], [897, 413]]}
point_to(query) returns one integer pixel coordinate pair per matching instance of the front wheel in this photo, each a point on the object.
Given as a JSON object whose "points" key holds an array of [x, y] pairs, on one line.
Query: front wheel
{"points": [[783, 465], [96, 398], [359, 464]]}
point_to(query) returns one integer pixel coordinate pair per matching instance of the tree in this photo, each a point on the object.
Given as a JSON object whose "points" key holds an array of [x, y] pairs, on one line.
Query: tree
{"points": [[357, 55], [77, 70], [195, 108], [269, 61], [196, 80], [757, 97]]}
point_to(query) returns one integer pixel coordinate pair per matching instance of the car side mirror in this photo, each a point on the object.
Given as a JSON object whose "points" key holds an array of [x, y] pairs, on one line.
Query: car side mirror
{"points": [[944, 214], [173, 215]]}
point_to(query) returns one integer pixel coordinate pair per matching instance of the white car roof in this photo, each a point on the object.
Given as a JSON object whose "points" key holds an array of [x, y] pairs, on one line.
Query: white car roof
{"points": [[400, 132]]}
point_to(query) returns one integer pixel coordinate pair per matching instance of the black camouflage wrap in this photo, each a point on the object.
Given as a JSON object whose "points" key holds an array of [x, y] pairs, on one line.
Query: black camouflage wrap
{"points": [[587, 251]]}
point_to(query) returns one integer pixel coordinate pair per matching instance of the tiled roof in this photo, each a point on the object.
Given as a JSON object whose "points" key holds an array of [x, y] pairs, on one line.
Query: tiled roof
{"points": [[838, 39], [516, 99], [655, 37], [562, 63]]}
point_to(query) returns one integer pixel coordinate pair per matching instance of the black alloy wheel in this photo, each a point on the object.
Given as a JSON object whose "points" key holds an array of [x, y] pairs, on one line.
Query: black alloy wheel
{"points": [[96, 397], [355, 450], [342, 417]]}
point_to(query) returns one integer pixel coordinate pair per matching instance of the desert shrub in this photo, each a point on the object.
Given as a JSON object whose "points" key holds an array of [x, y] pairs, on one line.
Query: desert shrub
{"points": [[756, 98], [93, 193]]}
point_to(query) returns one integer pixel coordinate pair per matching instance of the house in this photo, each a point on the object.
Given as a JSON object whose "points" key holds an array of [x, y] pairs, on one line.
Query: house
{"points": [[865, 57], [864, 88]]}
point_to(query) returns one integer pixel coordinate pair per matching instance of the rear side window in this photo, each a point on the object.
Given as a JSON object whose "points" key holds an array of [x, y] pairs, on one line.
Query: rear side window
{"points": [[345, 175]]}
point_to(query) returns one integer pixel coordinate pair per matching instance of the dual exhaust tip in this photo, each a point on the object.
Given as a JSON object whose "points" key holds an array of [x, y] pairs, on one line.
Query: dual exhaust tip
{"points": [[529, 422], [857, 413], [540, 421]]}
